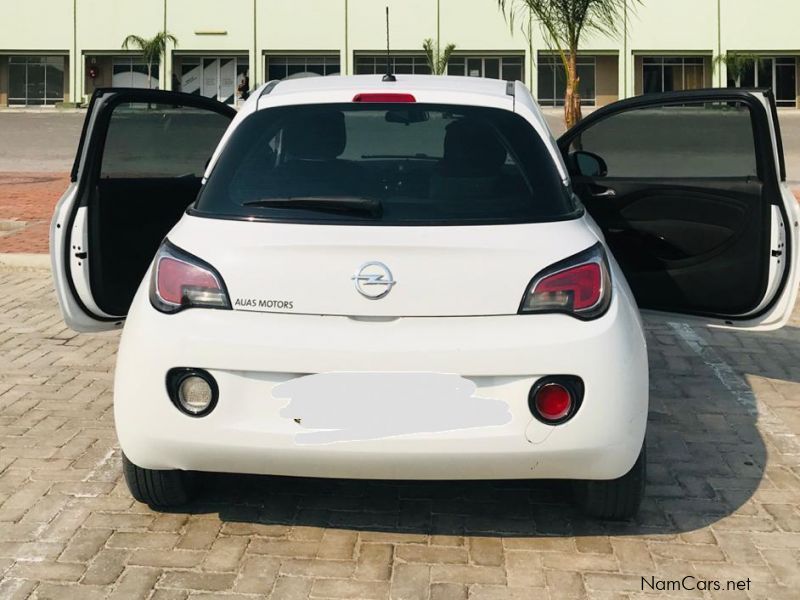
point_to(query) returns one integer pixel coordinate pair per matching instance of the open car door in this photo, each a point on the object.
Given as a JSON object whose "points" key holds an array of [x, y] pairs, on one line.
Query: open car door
{"points": [[690, 191], [139, 164]]}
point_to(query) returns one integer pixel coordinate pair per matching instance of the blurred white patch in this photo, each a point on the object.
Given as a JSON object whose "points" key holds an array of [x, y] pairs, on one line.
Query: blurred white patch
{"points": [[338, 407]]}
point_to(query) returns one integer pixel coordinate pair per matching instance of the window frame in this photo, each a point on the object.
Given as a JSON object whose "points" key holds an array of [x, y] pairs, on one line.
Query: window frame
{"points": [[43, 61], [284, 60], [661, 61], [463, 61], [376, 58], [775, 62], [132, 60], [553, 62]]}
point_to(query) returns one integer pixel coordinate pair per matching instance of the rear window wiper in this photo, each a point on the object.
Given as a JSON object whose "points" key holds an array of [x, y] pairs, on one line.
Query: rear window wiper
{"points": [[322, 203]]}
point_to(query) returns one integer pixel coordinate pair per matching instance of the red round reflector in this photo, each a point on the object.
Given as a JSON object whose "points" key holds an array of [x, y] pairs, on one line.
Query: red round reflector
{"points": [[553, 401]]}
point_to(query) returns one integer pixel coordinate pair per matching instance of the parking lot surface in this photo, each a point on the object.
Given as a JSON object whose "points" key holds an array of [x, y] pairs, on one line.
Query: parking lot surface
{"points": [[722, 504]]}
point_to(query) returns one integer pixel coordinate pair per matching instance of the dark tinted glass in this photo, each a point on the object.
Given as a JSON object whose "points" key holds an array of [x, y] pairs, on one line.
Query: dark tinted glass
{"points": [[691, 140], [152, 140], [410, 163]]}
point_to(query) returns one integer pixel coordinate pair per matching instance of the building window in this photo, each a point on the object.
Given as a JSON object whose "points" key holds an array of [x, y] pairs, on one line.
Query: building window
{"points": [[553, 82], [369, 64], [672, 73], [131, 71], [778, 73], [216, 77], [509, 68], [35, 80], [281, 67]]}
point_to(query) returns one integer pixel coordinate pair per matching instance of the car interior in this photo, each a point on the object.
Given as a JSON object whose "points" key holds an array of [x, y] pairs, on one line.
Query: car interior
{"points": [[681, 204], [127, 237]]}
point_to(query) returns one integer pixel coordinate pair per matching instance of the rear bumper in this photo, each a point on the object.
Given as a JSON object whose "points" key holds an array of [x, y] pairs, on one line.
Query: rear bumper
{"points": [[250, 354]]}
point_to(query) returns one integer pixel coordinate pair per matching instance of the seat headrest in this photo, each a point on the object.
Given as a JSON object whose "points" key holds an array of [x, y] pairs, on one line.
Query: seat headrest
{"points": [[318, 136], [472, 148]]}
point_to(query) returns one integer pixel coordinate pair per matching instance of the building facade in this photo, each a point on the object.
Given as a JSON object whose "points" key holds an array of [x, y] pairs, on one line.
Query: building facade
{"points": [[61, 50]]}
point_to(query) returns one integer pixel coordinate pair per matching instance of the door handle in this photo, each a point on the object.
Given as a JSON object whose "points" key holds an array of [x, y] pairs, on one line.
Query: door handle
{"points": [[606, 193]]}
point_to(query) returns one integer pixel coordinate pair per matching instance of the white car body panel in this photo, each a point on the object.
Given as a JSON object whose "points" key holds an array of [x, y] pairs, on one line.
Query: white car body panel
{"points": [[251, 353], [298, 261]]}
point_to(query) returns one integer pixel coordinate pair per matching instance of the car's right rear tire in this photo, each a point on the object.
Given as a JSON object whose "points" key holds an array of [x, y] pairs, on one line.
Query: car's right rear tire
{"points": [[615, 499], [158, 489]]}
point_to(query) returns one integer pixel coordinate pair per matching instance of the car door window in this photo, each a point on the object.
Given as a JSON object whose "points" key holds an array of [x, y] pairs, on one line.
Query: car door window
{"points": [[695, 140], [156, 140]]}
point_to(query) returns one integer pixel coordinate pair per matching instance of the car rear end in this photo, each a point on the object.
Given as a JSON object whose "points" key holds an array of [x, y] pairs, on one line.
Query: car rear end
{"points": [[385, 286]]}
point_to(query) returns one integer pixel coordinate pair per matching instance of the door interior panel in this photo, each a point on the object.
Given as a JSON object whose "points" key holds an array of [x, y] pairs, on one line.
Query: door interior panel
{"points": [[695, 244], [131, 217]]}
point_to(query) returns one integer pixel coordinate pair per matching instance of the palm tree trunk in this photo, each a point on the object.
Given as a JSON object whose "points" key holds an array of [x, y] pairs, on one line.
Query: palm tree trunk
{"points": [[149, 74], [572, 96]]}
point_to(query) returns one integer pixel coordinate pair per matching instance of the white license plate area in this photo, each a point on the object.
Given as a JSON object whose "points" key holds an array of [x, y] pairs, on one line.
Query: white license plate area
{"points": [[344, 406]]}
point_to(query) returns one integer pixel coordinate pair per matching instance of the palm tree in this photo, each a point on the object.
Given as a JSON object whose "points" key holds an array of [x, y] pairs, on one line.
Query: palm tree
{"points": [[563, 23], [736, 63], [437, 61], [152, 49]]}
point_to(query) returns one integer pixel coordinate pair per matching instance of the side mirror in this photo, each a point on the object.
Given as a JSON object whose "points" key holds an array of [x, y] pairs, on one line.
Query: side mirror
{"points": [[587, 164]]}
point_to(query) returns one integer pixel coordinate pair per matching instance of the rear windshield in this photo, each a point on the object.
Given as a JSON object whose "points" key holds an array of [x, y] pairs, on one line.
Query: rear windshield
{"points": [[386, 164]]}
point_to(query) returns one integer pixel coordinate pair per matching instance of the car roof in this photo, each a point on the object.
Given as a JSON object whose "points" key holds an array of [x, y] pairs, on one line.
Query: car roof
{"points": [[404, 83], [475, 91]]}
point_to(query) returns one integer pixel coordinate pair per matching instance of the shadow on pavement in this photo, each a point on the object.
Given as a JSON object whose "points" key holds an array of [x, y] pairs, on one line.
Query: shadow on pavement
{"points": [[706, 459]]}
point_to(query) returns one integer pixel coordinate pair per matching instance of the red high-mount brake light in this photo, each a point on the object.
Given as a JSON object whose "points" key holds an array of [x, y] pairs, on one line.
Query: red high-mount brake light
{"points": [[181, 281], [384, 97], [579, 286]]}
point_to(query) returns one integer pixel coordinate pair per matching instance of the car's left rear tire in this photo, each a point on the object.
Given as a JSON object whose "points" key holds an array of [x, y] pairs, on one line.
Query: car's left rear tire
{"points": [[157, 488], [615, 499]]}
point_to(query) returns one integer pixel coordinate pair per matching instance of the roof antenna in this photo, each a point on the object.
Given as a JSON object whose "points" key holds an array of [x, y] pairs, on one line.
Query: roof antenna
{"points": [[388, 77]]}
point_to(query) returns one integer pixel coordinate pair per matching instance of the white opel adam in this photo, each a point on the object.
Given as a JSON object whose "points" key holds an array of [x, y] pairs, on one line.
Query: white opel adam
{"points": [[361, 278]]}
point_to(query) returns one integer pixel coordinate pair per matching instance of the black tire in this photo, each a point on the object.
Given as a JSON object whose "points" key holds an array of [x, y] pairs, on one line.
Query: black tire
{"points": [[159, 489], [615, 499]]}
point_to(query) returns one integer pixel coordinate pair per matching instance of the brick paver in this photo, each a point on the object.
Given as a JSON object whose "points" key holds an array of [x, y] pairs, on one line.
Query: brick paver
{"points": [[722, 504], [26, 205]]}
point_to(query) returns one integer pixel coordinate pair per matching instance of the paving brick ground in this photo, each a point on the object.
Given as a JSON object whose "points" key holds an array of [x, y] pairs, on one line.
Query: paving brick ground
{"points": [[724, 490], [26, 205]]}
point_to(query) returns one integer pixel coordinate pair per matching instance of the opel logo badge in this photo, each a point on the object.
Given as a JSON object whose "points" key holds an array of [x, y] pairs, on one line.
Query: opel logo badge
{"points": [[373, 280]]}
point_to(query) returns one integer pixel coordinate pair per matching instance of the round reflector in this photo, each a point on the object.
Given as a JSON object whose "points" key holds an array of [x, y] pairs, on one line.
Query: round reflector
{"points": [[553, 401], [195, 394]]}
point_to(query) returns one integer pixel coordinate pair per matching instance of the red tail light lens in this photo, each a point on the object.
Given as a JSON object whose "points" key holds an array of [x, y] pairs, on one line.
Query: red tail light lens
{"points": [[181, 281], [579, 286], [384, 97]]}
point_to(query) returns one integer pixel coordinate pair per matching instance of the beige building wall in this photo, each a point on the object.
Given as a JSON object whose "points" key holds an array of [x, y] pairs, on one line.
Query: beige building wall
{"points": [[258, 27]]}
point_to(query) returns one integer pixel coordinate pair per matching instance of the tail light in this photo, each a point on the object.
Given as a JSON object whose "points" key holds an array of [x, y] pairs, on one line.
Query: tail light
{"points": [[579, 286], [181, 280]]}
